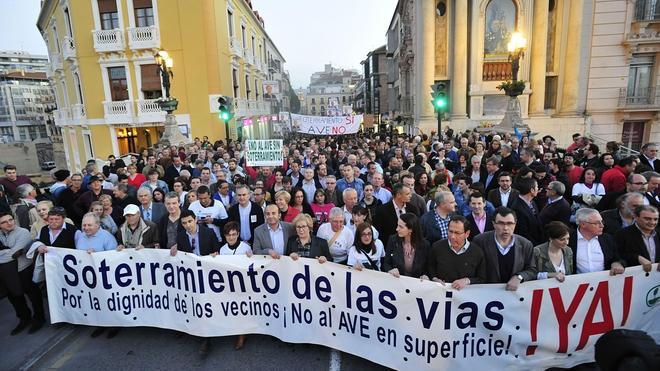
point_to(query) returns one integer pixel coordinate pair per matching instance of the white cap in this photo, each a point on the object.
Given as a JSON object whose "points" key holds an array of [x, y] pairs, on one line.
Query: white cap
{"points": [[131, 210]]}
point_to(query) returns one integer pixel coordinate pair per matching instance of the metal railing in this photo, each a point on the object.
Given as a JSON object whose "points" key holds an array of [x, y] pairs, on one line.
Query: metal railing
{"points": [[639, 98], [118, 111], [602, 144], [647, 10]]}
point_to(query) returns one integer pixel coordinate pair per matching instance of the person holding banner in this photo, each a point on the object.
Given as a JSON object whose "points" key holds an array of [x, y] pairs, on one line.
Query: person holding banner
{"points": [[199, 240], [304, 244], [136, 233], [93, 238], [339, 237], [509, 257], [271, 237], [407, 251], [554, 259], [455, 260], [367, 251]]}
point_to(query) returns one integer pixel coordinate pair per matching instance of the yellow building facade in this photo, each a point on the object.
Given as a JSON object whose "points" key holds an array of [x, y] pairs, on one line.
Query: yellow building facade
{"points": [[107, 81]]}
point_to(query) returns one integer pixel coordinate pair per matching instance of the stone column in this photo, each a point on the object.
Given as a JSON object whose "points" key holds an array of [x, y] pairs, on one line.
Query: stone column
{"points": [[569, 91], [423, 98], [539, 52], [458, 83]]}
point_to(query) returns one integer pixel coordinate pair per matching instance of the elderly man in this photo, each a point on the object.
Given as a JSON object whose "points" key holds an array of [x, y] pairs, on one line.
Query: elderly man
{"points": [[408, 179], [634, 183], [509, 257], [93, 238], [85, 200], [455, 260], [435, 222], [209, 211], [649, 156], [16, 274], [339, 237], [557, 207], [169, 225], [651, 194], [136, 233], [593, 251], [638, 244], [151, 211], [246, 213], [350, 197], [27, 201], [273, 235], [381, 193]]}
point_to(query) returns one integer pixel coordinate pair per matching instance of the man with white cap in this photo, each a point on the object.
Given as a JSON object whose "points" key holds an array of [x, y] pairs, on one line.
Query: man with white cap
{"points": [[136, 233]]}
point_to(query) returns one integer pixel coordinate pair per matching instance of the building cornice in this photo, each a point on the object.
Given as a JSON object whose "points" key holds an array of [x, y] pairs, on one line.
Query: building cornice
{"points": [[44, 14]]}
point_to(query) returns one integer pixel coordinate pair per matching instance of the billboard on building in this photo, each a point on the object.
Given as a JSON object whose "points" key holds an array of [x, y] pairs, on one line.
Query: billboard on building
{"points": [[271, 89]]}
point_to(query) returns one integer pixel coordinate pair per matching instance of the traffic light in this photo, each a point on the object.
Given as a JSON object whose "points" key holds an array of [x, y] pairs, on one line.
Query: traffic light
{"points": [[225, 108], [440, 95]]}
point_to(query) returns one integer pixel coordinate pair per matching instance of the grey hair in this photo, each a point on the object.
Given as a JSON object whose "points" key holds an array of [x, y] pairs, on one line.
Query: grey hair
{"points": [[506, 147], [331, 177], [172, 194], [92, 216], [24, 189], [440, 197], [336, 211], [144, 190], [639, 209], [347, 191], [650, 174], [583, 214], [558, 187], [122, 187], [475, 158]]}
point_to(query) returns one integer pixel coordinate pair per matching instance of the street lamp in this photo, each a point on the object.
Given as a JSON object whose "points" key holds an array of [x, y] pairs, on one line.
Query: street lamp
{"points": [[516, 48], [171, 134]]}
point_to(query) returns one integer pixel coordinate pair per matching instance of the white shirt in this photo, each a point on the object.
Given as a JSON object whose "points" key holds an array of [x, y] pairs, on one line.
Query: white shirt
{"points": [[242, 249], [354, 256], [277, 238], [348, 216], [244, 213], [589, 256], [383, 195], [310, 189], [339, 249], [216, 211], [504, 197], [596, 189]]}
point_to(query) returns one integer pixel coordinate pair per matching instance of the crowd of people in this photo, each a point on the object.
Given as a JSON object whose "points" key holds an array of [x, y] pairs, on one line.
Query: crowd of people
{"points": [[460, 210]]}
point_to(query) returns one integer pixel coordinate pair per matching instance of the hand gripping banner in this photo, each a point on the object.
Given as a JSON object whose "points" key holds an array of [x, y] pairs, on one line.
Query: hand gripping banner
{"points": [[402, 323]]}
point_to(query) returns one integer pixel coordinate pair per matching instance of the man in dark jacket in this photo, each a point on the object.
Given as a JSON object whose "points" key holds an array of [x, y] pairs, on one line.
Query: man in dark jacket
{"points": [[529, 223], [247, 214], [557, 207], [593, 250], [638, 244]]}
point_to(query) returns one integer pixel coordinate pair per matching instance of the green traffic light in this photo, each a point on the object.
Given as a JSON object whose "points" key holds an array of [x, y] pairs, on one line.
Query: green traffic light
{"points": [[440, 102], [224, 115]]}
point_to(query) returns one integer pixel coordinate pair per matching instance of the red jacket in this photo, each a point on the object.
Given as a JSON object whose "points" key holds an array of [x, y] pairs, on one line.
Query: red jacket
{"points": [[614, 179]]}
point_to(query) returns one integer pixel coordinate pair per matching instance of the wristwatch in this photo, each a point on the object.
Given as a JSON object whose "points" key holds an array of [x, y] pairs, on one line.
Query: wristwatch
{"points": [[520, 277]]}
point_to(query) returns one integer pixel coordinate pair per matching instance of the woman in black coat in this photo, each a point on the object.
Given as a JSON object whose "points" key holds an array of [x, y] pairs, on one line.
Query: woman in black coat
{"points": [[304, 244], [407, 251]]}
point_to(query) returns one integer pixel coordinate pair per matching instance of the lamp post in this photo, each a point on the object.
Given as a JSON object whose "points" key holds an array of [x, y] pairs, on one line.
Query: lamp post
{"points": [[171, 134], [512, 121]]}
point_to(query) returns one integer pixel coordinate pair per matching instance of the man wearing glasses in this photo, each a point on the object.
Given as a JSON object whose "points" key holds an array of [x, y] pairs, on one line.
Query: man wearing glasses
{"points": [[509, 257], [593, 250]]}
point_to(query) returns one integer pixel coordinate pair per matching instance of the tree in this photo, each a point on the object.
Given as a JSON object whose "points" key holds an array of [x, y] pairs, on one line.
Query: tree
{"points": [[295, 102]]}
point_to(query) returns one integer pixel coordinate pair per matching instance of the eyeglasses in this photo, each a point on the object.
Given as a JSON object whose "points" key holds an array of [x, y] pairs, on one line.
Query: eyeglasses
{"points": [[232, 234], [640, 183], [301, 227]]}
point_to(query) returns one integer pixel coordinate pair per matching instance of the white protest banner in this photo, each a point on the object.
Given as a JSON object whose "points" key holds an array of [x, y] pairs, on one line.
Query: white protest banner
{"points": [[264, 152], [326, 125], [401, 323]]}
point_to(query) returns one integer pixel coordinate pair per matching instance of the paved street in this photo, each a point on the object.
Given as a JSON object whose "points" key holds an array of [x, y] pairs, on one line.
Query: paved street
{"points": [[69, 347]]}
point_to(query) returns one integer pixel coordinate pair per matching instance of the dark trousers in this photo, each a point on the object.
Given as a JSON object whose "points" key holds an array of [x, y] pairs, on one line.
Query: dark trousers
{"points": [[10, 281], [33, 292]]}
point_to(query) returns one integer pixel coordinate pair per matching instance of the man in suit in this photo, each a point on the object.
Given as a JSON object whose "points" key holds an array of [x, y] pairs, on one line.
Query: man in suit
{"points": [[199, 240], [648, 157], [634, 183], [490, 175], [408, 179], [557, 207], [623, 216], [593, 251], [151, 211], [387, 215], [503, 195], [529, 223], [169, 225], [509, 257], [272, 236], [478, 219], [638, 244], [653, 181], [246, 213]]}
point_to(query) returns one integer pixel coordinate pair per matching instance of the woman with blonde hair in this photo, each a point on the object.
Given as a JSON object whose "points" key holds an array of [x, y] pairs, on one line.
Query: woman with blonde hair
{"points": [[40, 217], [304, 244]]}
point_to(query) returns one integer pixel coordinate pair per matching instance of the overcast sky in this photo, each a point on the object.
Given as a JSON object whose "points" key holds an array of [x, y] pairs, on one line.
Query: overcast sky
{"points": [[308, 34]]}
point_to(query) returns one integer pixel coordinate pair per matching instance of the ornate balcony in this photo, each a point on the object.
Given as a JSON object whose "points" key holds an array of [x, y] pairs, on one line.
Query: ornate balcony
{"points": [[235, 47], [143, 37], [249, 57], [108, 40], [68, 48], [117, 112], [62, 116], [149, 111], [79, 112]]}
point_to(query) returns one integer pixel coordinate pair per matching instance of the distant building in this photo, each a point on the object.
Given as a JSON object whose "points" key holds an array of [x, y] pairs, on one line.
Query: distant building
{"points": [[12, 61], [330, 90], [373, 88]]}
